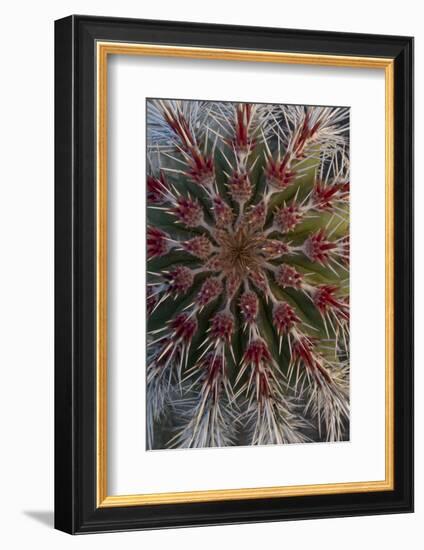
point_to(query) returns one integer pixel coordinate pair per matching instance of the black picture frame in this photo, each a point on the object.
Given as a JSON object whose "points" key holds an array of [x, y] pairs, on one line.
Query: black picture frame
{"points": [[76, 509]]}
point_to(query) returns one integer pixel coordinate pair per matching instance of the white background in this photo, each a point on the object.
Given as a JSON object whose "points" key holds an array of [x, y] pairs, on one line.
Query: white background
{"points": [[131, 79], [26, 295]]}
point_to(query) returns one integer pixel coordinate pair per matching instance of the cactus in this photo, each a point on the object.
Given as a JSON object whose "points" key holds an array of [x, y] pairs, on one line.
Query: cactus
{"points": [[247, 274]]}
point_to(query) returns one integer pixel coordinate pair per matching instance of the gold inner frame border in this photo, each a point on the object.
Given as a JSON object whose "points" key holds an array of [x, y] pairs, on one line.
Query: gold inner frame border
{"points": [[103, 50]]}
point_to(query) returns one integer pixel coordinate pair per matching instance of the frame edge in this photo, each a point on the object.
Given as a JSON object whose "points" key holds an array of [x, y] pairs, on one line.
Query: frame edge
{"points": [[64, 448]]}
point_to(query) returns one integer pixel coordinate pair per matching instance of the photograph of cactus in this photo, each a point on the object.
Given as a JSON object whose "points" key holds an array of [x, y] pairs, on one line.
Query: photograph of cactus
{"points": [[247, 298]]}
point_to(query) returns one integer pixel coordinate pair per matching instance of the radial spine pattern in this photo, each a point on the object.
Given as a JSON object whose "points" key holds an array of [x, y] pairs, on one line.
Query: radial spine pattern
{"points": [[248, 274]]}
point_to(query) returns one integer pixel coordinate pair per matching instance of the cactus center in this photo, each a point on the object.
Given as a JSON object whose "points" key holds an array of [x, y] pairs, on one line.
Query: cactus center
{"points": [[241, 251]]}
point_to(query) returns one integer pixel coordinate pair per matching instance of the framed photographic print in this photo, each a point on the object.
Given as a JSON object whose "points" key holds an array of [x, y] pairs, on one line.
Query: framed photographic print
{"points": [[234, 274]]}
